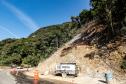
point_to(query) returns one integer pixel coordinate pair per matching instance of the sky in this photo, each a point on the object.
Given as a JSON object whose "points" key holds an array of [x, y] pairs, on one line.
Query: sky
{"points": [[20, 18]]}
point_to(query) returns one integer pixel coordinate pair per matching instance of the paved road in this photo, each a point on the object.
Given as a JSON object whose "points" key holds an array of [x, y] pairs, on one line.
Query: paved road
{"points": [[22, 79], [6, 78]]}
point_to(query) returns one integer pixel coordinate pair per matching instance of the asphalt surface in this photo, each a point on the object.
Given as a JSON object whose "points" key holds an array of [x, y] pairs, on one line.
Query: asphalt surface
{"points": [[22, 79], [6, 78]]}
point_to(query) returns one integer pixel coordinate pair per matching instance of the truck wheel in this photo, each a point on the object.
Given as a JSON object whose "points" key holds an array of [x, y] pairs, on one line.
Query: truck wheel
{"points": [[75, 75], [64, 75]]}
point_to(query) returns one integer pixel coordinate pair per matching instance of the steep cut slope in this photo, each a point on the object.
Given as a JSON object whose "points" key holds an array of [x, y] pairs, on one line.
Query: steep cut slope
{"points": [[93, 61], [71, 54]]}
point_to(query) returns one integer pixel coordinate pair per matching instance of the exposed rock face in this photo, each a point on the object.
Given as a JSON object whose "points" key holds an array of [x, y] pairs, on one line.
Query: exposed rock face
{"points": [[91, 57]]}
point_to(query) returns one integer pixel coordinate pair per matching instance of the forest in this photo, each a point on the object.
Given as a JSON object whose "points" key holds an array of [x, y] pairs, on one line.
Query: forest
{"points": [[42, 43]]}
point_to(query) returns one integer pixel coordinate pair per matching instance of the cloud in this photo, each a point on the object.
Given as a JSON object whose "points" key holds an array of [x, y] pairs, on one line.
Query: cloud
{"points": [[25, 19], [5, 29]]}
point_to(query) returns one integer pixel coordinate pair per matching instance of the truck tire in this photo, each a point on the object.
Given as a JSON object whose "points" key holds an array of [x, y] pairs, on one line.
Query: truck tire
{"points": [[64, 75], [75, 75]]}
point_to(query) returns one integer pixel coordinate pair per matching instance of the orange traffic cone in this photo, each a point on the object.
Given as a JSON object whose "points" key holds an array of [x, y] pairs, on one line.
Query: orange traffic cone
{"points": [[36, 77], [36, 82]]}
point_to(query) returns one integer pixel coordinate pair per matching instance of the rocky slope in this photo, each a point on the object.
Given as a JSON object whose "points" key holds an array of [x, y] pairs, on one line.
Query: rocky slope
{"points": [[93, 61]]}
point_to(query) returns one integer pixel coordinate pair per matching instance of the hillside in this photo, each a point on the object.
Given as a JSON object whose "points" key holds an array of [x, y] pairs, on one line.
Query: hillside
{"points": [[93, 61], [95, 40], [98, 48], [38, 46], [102, 27]]}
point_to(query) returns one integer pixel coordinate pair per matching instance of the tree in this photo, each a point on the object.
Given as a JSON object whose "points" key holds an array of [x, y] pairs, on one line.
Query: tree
{"points": [[31, 60], [110, 12], [76, 19], [86, 16]]}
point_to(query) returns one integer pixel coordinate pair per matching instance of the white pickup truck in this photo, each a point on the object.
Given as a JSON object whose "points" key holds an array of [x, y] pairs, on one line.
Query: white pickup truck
{"points": [[67, 69]]}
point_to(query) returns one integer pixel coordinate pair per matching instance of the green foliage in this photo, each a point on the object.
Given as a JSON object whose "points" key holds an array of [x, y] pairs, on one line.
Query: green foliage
{"points": [[123, 65], [110, 12], [7, 60], [86, 16], [76, 21], [38, 46], [31, 60], [42, 43]]}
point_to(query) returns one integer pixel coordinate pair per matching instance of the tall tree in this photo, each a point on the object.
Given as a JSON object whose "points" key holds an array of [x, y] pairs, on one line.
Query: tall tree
{"points": [[111, 12]]}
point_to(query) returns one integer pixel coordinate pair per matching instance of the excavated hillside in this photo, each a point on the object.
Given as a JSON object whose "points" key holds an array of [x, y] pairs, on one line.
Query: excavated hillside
{"points": [[92, 57]]}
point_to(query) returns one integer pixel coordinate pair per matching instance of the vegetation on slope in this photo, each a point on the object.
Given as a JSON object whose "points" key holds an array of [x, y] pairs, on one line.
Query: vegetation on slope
{"points": [[40, 44]]}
